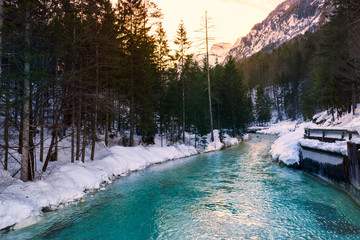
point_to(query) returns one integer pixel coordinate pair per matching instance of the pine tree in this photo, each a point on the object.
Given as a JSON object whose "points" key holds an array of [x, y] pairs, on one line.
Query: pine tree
{"points": [[262, 106], [183, 44], [235, 111], [162, 58]]}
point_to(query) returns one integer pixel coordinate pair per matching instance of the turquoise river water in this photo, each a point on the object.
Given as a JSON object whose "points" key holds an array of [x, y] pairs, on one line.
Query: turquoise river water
{"points": [[239, 193]]}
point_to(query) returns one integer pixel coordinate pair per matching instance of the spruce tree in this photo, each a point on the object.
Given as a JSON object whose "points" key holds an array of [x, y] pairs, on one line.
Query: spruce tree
{"points": [[262, 106], [183, 45]]}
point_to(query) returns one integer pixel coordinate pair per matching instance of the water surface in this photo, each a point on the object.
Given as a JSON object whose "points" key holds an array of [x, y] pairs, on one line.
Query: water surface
{"points": [[239, 193]]}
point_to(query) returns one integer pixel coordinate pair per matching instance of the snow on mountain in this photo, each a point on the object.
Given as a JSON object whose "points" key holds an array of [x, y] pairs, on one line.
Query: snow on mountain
{"points": [[220, 51], [289, 20], [217, 53]]}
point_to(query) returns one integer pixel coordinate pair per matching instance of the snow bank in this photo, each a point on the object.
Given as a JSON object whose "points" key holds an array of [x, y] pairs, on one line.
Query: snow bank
{"points": [[21, 203], [286, 147], [280, 128], [217, 144]]}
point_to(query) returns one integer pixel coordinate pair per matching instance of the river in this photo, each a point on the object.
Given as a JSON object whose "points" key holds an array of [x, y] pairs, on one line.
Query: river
{"points": [[239, 193]]}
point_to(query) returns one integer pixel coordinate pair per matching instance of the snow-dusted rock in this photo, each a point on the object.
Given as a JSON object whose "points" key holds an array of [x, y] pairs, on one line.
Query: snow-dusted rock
{"points": [[289, 20]]}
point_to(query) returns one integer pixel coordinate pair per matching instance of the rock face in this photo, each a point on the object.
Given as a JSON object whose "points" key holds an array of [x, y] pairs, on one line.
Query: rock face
{"points": [[289, 20], [219, 51], [217, 54]]}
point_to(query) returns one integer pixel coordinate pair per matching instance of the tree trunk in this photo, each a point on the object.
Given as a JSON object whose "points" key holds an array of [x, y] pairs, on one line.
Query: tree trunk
{"points": [[24, 174], [107, 125], [208, 75], [84, 138], [32, 135], [6, 131], [183, 109], [183, 91], [161, 131], [72, 133], [353, 98], [7, 94], [41, 121], [96, 107], [172, 130], [132, 115], [78, 132], [1, 27], [78, 128], [56, 104], [52, 144], [132, 92]]}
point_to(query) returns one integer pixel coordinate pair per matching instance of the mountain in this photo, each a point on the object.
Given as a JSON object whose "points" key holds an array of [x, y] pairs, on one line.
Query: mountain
{"points": [[290, 19], [217, 53]]}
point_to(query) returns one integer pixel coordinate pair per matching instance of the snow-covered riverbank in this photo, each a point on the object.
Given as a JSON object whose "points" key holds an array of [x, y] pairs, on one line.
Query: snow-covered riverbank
{"points": [[65, 183], [286, 148]]}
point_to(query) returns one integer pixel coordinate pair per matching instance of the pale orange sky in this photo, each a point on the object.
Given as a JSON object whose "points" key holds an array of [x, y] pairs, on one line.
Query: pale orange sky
{"points": [[232, 18]]}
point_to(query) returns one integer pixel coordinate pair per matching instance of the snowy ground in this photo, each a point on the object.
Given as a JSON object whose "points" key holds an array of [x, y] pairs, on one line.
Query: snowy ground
{"points": [[65, 183], [291, 134]]}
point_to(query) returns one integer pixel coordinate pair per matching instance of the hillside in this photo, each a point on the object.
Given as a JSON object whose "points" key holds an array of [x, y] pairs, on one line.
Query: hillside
{"points": [[289, 20]]}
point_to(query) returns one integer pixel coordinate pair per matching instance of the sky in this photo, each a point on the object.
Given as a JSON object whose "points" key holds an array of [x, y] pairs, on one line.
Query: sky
{"points": [[231, 18]]}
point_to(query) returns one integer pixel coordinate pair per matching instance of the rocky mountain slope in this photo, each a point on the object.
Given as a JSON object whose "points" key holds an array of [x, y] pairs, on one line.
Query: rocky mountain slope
{"points": [[289, 20], [217, 54]]}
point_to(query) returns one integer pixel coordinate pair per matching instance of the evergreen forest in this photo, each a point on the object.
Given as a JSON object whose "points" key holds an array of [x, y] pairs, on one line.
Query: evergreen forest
{"points": [[312, 73], [90, 71]]}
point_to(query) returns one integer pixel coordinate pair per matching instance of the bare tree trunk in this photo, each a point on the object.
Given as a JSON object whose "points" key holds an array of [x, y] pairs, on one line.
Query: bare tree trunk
{"points": [[195, 130], [183, 92], [132, 92], [24, 174], [78, 132], [208, 75], [161, 131], [72, 133], [41, 128], [21, 130], [107, 117], [172, 129], [183, 109], [73, 105], [49, 154], [132, 115], [52, 144], [78, 127], [1, 27], [7, 107], [107, 125], [6, 131], [96, 107], [32, 135], [84, 137], [179, 133], [353, 98], [56, 104]]}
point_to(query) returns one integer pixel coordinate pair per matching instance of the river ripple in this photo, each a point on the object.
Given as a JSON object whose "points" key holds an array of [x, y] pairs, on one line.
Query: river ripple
{"points": [[239, 193]]}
